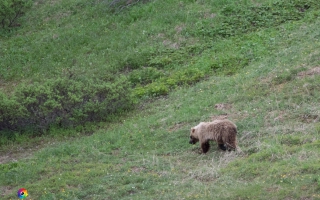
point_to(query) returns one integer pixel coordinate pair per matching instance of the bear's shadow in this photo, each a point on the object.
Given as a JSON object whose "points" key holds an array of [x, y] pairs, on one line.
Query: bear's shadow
{"points": [[213, 148]]}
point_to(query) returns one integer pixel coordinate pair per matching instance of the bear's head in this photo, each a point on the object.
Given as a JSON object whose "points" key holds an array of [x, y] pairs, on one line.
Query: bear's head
{"points": [[193, 136]]}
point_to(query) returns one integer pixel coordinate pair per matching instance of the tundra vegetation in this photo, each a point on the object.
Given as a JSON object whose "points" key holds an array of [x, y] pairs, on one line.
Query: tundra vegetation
{"points": [[97, 98]]}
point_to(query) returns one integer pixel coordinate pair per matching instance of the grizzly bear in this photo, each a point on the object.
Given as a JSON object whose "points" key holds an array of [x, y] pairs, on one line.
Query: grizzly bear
{"points": [[224, 132]]}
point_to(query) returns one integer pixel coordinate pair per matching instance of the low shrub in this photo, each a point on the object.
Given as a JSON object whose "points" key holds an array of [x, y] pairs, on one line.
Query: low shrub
{"points": [[11, 10], [64, 103], [229, 65], [163, 85], [144, 76], [10, 111], [151, 90], [237, 19]]}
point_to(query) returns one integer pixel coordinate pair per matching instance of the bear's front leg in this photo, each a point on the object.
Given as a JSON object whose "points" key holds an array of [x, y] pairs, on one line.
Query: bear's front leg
{"points": [[205, 146]]}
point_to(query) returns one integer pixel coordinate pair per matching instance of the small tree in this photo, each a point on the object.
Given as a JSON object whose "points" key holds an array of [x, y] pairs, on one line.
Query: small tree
{"points": [[11, 10]]}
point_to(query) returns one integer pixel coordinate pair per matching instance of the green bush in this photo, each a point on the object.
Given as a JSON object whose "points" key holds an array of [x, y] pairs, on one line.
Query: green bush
{"points": [[189, 76], [235, 19], [64, 103], [228, 65], [151, 90], [10, 111], [144, 76], [163, 85], [11, 10]]}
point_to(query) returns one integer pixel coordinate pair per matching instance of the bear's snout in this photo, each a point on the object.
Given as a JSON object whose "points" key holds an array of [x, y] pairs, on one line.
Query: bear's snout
{"points": [[193, 141]]}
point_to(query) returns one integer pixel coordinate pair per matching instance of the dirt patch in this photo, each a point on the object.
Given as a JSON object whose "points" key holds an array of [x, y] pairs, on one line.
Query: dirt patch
{"points": [[232, 115], [137, 169], [209, 15], [279, 87], [273, 189], [219, 117], [4, 159], [310, 72], [223, 106], [309, 118], [280, 117], [14, 156], [274, 116], [116, 152], [170, 44], [176, 127], [179, 28], [5, 190], [205, 178]]}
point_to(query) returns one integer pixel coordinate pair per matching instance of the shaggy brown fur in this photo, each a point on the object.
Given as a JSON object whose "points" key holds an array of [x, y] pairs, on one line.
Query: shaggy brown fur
{"points": [[224, 132]]}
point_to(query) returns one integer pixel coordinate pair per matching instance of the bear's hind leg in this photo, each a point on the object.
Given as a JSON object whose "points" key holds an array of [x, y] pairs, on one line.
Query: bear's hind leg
{"points": [[222, 147], [231, 146], [205, 146]]}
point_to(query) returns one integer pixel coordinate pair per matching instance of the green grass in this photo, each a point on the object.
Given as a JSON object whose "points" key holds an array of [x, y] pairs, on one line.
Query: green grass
{"points": [[86, 39], [153, 52], [145, 154]]}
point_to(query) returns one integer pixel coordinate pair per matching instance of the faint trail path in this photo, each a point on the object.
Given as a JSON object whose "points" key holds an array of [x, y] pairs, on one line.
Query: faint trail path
{"points": [[13, 155], [16, 152]]}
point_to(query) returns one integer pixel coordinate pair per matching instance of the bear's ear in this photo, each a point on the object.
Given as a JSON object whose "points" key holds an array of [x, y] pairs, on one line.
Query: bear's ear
{"points": [[193, 130]]}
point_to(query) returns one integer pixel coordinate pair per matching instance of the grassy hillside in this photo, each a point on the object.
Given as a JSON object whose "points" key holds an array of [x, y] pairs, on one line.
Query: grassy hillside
{"points": [[68, 58], [90, 38], [266, 79]]}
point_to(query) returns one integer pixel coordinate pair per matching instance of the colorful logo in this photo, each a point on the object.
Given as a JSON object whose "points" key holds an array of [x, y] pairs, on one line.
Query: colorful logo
{"points": [[22, 193]]}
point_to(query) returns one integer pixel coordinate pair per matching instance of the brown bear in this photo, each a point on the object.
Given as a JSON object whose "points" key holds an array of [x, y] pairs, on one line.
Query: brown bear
{"points": [[224, 132]]}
